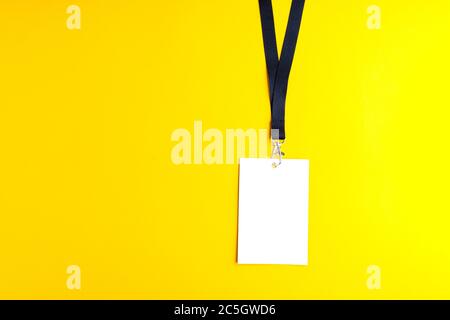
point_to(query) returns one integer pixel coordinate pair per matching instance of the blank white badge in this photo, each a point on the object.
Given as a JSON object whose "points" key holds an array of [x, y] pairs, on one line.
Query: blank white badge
{"points": [[273, 212]]}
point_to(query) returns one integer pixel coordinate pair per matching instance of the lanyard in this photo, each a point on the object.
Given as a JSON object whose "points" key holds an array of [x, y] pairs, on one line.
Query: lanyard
{"points": [[278, 69]]}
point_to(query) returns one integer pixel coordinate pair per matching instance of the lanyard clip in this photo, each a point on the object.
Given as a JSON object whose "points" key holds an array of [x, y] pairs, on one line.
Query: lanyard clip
{"points": [[276, 152]]}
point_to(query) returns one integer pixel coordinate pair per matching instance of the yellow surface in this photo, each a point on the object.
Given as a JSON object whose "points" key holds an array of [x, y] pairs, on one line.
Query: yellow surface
{"points": [[86, 176]]}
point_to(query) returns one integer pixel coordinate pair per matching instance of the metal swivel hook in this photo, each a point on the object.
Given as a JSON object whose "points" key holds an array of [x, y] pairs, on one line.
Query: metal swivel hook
{"points": [[276, 152]]}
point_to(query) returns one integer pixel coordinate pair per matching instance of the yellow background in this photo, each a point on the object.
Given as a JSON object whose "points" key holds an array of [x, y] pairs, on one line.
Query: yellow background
{"points": [[86, 176]]}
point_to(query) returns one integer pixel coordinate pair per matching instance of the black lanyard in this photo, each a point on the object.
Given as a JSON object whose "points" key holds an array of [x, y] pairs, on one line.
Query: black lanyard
{"points": [[279, 70]]}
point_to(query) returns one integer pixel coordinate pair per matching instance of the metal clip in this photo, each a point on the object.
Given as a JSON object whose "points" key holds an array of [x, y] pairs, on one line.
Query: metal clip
{"points": [[276, 152]]}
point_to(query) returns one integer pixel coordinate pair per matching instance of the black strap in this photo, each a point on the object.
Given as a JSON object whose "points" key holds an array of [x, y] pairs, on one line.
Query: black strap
{"points": [[278, 70]]}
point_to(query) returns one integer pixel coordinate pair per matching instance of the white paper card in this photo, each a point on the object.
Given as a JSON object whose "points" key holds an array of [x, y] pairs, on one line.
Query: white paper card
{"points": [[273, 212]]}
